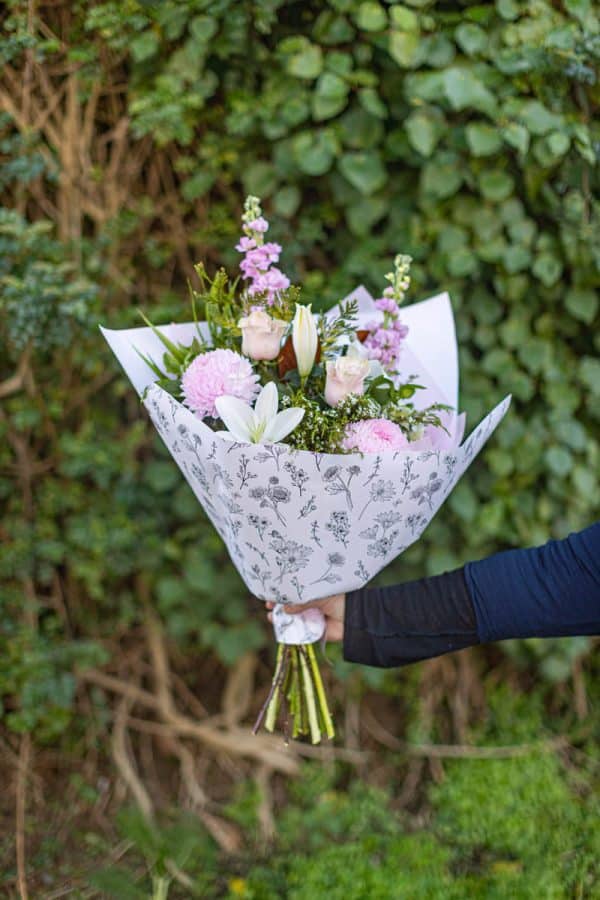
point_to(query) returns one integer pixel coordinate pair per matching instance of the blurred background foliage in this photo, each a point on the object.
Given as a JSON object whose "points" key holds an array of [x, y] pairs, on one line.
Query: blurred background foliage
{"points": [[465, 134]]}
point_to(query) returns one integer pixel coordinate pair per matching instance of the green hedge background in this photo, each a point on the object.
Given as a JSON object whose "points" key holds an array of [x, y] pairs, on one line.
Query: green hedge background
{"points": [[465, 134]]}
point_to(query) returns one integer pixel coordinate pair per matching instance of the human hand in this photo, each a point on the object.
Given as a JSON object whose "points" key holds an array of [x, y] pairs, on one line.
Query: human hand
{"points": [[331, 607]]}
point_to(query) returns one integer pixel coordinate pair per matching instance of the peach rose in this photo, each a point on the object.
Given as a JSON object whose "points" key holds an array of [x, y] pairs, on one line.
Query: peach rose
{"points": [[261, 335], [345, 375]]}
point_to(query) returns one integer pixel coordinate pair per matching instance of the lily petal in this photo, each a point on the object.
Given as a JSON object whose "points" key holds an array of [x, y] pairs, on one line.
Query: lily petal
{"points": [[265, 407], [283, 423], [237, 416]]}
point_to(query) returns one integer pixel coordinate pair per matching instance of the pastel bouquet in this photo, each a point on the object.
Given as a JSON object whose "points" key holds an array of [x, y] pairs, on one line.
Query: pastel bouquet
{"points": [[319, 445]]}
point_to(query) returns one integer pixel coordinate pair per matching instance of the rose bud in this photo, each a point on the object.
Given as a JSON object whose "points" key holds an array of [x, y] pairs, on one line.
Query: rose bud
{"points": [[261, 335], [345, 375]]}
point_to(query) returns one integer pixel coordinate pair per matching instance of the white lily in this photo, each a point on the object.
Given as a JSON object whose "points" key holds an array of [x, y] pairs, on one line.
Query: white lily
{"points": [[261, 425], [305, 339]]}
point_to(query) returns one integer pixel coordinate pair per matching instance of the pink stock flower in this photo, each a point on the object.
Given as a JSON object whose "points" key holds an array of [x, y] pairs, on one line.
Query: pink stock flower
{"points": [[213, 374], [373, 436], [261, 225]]}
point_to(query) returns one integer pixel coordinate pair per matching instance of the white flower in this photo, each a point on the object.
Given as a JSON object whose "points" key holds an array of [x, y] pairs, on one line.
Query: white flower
{"points": [[305, 339], [261, 425], [261, 335], [345, 375]]}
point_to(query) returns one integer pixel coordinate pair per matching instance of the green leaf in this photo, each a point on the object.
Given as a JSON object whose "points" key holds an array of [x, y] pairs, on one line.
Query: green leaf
{"points": [[404, 48], [483, 140], [371, 16], [538, 119], [404, 19], [315, 152], [144, 46], [365, 171], [441, 177], [558, 143], [306, 62], [465, 90], [547, 268], [517, 136], [582, 303], [559, 461], [589, 373], [508, 9], [496, 185], [471, 38], [286, 201], [372, 103], [260, 178], [423, 132], [330, 97]]}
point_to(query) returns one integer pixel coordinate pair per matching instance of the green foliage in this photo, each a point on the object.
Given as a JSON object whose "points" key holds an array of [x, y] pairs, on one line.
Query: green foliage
{"points": [[469, 136]]}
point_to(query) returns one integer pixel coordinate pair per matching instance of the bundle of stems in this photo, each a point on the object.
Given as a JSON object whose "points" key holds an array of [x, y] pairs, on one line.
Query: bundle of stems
{"points": [[297, 695]]}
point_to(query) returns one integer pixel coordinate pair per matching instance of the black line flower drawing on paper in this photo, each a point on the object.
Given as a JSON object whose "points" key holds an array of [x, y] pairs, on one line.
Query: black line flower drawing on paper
{"points": [[380, 534], [271, 496], [381, 491], [260, 575], [309, 506], [297, 475], [314, 533], [260, 552], [260, 523], [416, 522], [408, 476], [450, 463], [290, 556], [334, 560], [271, 451], [361, 572], [374, 471], [243, 473], [424, 493], [339, 527], [335, 484]]}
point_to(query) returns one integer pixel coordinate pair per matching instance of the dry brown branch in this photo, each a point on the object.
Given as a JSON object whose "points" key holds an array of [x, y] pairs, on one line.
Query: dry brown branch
{"points": [[237, 742], [239, 689], [265, 808], [457, 751], [21, 806], [124, 762]]}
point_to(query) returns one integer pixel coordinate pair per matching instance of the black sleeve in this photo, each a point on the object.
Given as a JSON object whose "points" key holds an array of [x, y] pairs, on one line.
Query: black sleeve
{"points": [[394, 626]]}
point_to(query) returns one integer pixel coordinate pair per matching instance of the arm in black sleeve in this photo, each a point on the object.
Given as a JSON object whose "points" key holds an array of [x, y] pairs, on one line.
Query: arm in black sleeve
{"points": [[552, 590]]}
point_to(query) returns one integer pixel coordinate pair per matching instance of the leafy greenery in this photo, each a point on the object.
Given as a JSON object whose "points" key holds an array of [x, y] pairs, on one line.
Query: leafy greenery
{"points": [[467, 135]]}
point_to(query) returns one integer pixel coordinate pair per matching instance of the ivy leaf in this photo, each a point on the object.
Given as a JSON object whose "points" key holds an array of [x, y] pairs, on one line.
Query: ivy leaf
{"points": [[371, 16], [331, 96], [483, 140], [547, 268], [305, 60], [422, 131], [365, 171], [465, 90], [404, 47], [496, 185], [582, 303], [471, 38], [315, 153]]}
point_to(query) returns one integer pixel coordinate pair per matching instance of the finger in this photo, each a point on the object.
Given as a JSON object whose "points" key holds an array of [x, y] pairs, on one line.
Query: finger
{"points": [[269, 604], [302, 607], [270, 617]]}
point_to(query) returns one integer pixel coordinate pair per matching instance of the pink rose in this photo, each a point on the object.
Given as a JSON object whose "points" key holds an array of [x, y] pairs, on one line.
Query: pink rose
{"points": [[261, 335], [345, 375]]}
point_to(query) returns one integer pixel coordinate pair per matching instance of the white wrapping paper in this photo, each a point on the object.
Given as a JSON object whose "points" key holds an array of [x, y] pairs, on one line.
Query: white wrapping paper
{"points": [[300, 525]]}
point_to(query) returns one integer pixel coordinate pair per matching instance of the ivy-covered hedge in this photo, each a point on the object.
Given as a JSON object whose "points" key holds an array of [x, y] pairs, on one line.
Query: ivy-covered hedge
{"points": [[464, 134]]}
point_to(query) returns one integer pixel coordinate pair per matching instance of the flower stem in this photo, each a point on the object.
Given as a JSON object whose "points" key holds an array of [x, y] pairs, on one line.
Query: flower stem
{"points": [[309, 694], [323, 705]]}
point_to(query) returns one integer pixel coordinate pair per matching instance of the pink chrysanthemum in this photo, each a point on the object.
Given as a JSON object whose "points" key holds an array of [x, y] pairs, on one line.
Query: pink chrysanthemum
{"points": [[373, 436], [213, 374]]}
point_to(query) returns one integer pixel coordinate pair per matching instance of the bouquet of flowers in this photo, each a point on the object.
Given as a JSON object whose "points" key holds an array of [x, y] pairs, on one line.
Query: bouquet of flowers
{"points": [[319, 445]]}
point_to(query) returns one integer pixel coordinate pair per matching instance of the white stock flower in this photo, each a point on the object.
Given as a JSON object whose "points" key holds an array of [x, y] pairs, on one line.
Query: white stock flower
{"points": [[261, 425], [305, 339]]}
